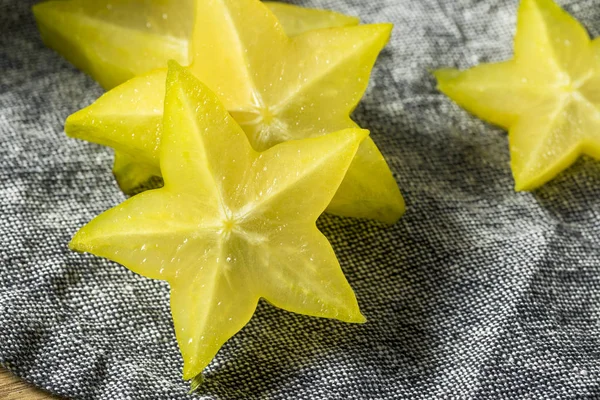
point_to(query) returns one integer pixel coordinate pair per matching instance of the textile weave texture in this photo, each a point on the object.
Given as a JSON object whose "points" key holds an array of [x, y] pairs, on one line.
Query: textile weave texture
{"points": [[477, 293]]}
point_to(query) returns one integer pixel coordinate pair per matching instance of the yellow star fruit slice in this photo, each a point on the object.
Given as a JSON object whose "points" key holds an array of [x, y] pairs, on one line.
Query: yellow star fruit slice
{"points": [[547, 96], [231, 225], [115, 40], [277, 88]]}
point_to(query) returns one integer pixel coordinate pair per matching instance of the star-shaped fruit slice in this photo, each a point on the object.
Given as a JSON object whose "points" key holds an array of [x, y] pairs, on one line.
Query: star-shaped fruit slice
{"points": [[547, 96], [231, 225], [115, 40], [276, 87]]}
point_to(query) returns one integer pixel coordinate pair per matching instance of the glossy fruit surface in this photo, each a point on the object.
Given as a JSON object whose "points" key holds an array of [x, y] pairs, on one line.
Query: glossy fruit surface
{"points": [[296, 20], [547, 96], [115, 40], [277, 88], [231, 225]]}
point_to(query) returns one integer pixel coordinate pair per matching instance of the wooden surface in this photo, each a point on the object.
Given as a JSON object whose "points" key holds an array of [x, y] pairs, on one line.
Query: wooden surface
{"points": [[13, 388]]}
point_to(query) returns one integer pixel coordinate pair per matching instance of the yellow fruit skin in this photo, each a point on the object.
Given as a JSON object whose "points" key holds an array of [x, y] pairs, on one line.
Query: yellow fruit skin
{"points": [[547, 96], [297, 20], [115, 40], [303, 86], [129, 121], [113, 53], [231, 225], [133, 176], [110, 53]]}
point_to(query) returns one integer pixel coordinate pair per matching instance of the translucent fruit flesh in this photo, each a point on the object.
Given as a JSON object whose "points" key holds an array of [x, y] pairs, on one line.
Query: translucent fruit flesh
{"points": [[547, 96], [115, 40], [231, 225], [296, 20], [277, 88]]}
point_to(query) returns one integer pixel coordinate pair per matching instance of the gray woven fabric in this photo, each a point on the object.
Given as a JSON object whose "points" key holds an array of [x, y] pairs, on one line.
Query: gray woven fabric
{"points": [[477, 293]]}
